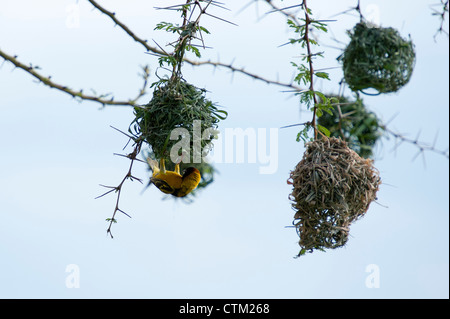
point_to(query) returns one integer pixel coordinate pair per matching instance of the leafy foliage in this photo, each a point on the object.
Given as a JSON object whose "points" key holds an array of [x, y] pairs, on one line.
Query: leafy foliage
{"points": [[351, 121], [305, 73]]}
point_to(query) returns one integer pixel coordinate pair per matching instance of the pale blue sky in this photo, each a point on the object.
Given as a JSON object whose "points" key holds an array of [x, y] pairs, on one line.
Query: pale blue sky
{"points": [[232, 241]]}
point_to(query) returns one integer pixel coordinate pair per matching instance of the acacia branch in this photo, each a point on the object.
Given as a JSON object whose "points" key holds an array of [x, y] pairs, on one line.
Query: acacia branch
{"points": [[118, 189], [112, 16], [160, 52], [442, 13], [311, 67], [254, 76], [422, 147], [75, 94]]}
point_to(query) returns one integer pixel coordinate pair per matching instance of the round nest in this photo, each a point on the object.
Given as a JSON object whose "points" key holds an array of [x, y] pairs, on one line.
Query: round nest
{"points": [[359, 127], [332, 187], [175, 104], [377, 58]]}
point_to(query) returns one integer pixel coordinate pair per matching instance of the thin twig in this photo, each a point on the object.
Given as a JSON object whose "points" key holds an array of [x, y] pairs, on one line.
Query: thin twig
{"points": [[254, 76], [118, 189], [75, 94], [442, 13], [422, 147]]}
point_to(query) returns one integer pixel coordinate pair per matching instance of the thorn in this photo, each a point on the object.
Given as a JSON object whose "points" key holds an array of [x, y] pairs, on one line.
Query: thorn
{"points": [[123, 212]]}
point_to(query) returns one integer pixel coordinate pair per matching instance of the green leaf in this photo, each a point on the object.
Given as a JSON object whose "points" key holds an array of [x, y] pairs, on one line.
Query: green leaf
{"points": [[291, 23], [319, 112], [222, 117], [169, 27], [303, 134], [322, 96], [204, 30], [312, 41], [322, 75], [195, 50], [319, 25], [324, 130], [302, 252]]}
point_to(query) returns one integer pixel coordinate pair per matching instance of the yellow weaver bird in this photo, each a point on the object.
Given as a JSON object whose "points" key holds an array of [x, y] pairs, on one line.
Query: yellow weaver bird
{"points": [[172, 182]]}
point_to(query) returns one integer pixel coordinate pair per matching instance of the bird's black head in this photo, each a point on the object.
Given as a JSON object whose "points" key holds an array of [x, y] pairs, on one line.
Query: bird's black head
{"points": [[189, 171]]}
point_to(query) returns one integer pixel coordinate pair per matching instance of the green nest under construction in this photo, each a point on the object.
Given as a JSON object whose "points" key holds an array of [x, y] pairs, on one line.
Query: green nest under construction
{"points": [[351, 120], [175, 104], [377, 58]]}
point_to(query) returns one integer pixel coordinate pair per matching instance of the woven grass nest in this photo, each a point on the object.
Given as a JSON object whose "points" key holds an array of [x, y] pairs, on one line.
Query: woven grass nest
{"points": [[332, 187], [377, 58], [175, 104]]}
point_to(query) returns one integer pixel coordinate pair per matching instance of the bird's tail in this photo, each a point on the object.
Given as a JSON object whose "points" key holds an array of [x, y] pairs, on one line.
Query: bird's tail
{"points": [[154, 165]]}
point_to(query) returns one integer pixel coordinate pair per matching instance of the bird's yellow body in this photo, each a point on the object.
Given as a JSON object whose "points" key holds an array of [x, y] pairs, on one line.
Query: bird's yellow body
{"points": [[172, 182]]}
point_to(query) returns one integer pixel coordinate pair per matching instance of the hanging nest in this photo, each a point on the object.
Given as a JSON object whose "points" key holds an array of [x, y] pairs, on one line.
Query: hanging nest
{"points": [[359, 127], [332, 187], [175, 104], [377, 58]]}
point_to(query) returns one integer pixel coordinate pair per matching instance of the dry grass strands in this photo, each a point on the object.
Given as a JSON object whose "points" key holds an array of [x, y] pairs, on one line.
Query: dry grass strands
{"points": [[332, 187], [377, 58]]}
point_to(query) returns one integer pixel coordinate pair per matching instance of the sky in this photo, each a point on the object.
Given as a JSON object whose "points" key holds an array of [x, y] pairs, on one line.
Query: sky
{"points": [[232, 241]]}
